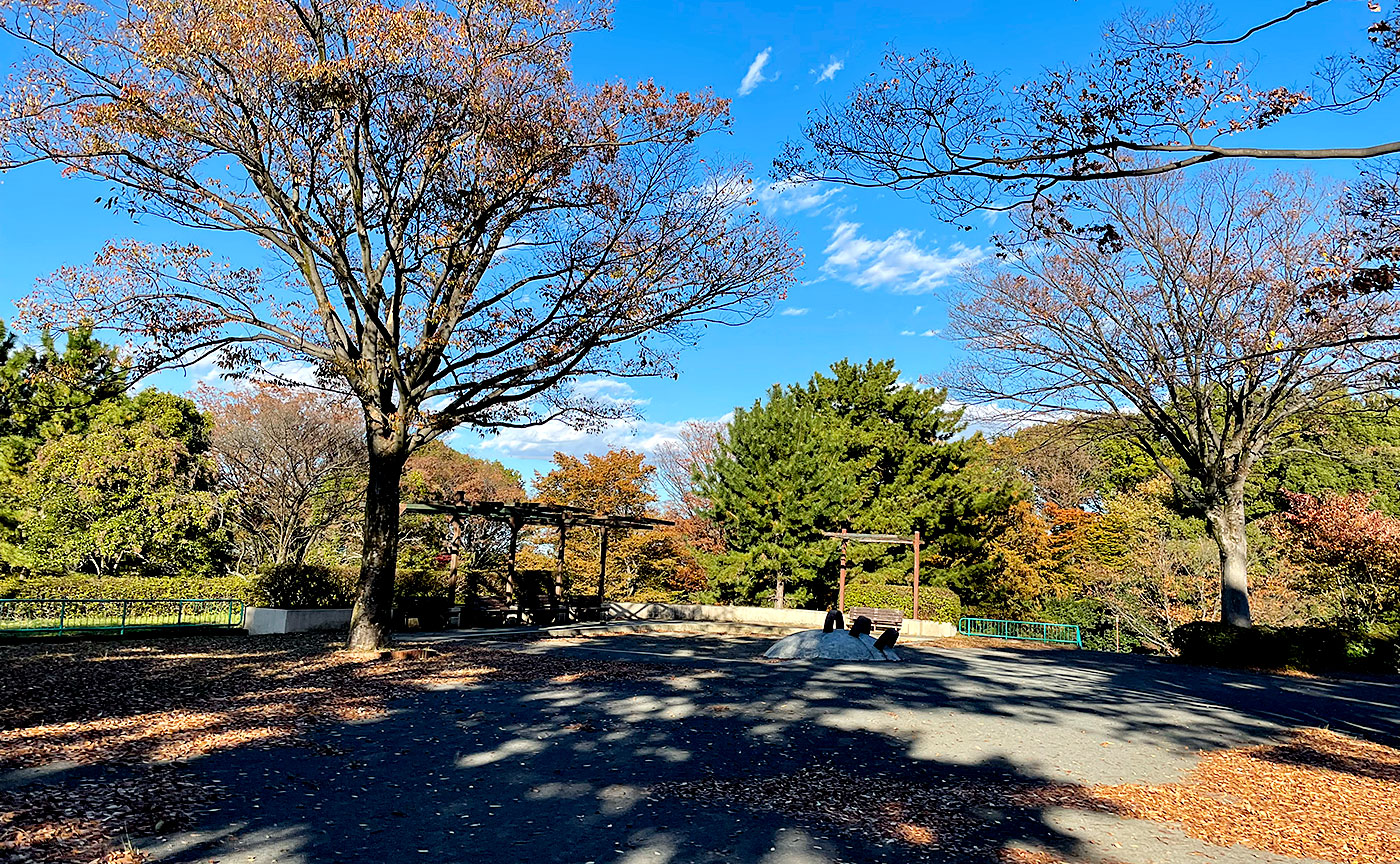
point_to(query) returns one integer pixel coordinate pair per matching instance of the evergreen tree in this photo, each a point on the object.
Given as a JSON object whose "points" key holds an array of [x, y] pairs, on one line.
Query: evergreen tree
{"points": [[132, 493], [46, 393], [857, 449]]}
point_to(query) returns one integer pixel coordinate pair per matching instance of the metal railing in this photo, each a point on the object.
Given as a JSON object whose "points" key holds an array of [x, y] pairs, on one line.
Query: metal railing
{"points": [[74, 615], [1031, 631]]}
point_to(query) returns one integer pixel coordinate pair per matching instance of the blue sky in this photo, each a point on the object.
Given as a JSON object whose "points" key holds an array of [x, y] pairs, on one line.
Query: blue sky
{"points": [[878, 267]]}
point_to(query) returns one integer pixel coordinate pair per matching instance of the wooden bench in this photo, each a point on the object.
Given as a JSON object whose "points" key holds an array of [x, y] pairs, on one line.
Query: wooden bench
{"points": [[488, 608], [883, 619]]}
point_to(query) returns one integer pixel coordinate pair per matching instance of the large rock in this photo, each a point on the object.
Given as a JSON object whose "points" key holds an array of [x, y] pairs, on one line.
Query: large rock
{"points": [[836, 645]]}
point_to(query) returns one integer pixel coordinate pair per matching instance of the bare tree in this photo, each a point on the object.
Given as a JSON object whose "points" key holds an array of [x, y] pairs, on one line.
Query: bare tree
{"points": [[677, 462], [933, 126], [460, 229], [295, 460], [1191, 316]]}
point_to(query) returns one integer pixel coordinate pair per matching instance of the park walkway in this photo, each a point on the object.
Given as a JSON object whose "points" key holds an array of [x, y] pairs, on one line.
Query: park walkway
{"points": [[596, 771]]}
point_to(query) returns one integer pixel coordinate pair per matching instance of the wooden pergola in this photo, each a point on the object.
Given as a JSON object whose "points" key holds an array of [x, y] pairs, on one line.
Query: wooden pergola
{"points": [[518, 514], [887, 539]]}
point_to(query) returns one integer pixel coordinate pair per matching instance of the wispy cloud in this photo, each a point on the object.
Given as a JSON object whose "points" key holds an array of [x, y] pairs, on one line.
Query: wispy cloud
{"points": [[896, 262], [829, 70], [794, 311], [929, 333], [786, 197], [754, 76], [907, 333], [918, 309]]}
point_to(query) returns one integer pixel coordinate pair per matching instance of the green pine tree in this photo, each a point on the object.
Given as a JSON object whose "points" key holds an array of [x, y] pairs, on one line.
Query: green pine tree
{"points": [[857, 449]]}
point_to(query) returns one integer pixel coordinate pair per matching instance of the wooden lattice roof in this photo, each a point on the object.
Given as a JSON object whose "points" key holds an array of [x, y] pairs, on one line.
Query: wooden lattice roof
{"points": [[531, 513]]}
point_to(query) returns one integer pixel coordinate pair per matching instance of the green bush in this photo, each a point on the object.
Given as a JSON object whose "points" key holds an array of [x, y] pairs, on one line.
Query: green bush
{"points": [[304, 586], [1305, 649], [83, 587], [935, 603]]}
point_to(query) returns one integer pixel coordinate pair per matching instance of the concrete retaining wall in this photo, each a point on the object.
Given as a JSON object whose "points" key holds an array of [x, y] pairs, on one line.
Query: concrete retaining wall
{"points": [[755, 616], [261, 621]]}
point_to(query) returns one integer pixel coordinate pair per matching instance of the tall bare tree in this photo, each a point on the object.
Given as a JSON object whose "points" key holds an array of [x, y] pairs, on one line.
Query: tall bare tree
{"points": [[1162, 94], [1190, 315], [460, 229]]}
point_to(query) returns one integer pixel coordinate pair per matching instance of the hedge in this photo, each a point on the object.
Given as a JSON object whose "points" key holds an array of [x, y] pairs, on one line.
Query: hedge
{"points": [[935, 603], [81, 587], [1305, 649]]}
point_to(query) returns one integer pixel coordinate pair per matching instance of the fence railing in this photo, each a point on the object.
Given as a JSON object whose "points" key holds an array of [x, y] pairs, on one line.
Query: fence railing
{"points": [[1032, 631], [74, 615]]}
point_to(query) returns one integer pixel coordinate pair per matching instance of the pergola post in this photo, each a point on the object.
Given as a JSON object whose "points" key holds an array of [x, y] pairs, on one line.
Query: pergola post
{"points": [[558, 597], [510, 562], [455, 547], [602, 570], [917, 541], [841, 589]]}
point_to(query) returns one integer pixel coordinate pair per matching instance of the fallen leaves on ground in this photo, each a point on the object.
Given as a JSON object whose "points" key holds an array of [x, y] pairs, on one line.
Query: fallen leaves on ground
{"points": [[125, 702], [1319, 795], [129, 703], [88, 821]]}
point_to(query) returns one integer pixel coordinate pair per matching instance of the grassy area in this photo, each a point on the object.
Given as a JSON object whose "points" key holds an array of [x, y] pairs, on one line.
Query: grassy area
{"points": [[53, 616]]}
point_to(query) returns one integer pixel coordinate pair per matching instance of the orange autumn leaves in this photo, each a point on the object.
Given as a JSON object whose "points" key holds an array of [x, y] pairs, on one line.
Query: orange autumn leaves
{"points": [[1318, 795]]}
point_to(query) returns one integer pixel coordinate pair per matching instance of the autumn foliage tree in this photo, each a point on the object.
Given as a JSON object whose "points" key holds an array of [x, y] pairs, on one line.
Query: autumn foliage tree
{"points": [[1188, 317], [1358, 549], [653, 564], [460, 229]]}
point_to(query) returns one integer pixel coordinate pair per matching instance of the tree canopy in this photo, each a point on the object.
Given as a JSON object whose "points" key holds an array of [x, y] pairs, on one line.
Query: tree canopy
{"points": [[1162, 93], [858, 449], [1189, 315]]}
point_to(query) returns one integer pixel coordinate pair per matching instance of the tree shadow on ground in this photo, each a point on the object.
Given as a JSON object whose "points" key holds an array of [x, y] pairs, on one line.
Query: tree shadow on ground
{"points": [[505, 755]]}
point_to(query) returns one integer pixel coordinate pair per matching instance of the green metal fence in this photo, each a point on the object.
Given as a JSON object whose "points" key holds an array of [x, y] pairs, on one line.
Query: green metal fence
{"points": [[120, 616], [1032, 631]]}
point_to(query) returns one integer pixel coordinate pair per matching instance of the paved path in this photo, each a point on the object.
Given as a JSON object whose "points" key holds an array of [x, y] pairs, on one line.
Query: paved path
{"points": [[559, 773]]}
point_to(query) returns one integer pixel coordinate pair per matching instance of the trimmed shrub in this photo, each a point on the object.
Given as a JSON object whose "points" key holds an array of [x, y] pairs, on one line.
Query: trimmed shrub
{"points": [[81, 587], [1305, 649], [935, 602], [305, 586]]}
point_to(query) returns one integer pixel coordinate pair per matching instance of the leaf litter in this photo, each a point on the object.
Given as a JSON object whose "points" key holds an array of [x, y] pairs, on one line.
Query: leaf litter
{"points": [[137, 703]]}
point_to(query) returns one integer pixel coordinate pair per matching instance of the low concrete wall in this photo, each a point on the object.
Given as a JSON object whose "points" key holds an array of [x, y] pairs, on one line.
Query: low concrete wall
{"points": [[785, 619], [261, 621]]}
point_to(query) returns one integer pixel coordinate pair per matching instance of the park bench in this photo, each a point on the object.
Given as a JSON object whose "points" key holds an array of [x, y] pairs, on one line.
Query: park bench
{"points": [[489, 609], [883, 619]]}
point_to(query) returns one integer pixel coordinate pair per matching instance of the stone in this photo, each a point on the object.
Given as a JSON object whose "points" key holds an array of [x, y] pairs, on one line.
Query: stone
{"points": [[823, 645]]}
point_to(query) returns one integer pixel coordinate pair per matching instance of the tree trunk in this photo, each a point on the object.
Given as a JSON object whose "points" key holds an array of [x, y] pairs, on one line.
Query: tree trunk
{"points": [[1226, 523], [370, 623]]}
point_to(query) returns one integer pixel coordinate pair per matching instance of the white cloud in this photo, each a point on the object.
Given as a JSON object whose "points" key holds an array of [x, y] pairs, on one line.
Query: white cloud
{"points": [[542, 442], [606, 389], [907, 333], [896, 262], [918, 309], [787, 197], [754, 76], [830, 69], [794, 311], [929, 333], [993, 419]]}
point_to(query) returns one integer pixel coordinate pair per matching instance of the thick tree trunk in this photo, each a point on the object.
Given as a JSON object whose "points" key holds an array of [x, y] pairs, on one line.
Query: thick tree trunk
{"points": [[370, 623], [1226, 523]]}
